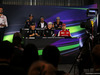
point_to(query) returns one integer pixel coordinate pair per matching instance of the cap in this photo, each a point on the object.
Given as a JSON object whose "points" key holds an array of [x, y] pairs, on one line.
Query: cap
{"points": [[41, 17], [63, 24], [30, 15], [50, 23], [58, 18], [32, 24]]}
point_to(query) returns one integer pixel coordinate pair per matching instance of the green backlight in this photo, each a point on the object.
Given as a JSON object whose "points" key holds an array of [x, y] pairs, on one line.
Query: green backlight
{"points": [[8, 38], [80, 8], [75, 29], [75, 8], [62, 48]]}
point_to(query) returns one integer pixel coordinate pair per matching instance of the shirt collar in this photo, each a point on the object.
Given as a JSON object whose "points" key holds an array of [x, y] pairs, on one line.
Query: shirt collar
{"points": [[65, 30], [2, 15]]}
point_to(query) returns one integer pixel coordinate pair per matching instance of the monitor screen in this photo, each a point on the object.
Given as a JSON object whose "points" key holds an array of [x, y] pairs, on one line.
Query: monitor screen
{"points": [[92, 12]]}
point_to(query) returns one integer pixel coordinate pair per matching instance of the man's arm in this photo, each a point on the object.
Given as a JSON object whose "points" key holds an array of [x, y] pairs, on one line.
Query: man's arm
{"points": [[3, 25], [5, 22], [31, 35], [45, 24], [37, 34], [26, 24], [38, 25], [69, 34], [59, 34], [44, 32]]}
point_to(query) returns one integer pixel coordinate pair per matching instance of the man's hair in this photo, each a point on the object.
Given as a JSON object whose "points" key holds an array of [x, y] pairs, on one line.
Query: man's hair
{"points": [[31, 50], [42, 68], [17, 41], [41, 17], [17, 34], [96, 54], [51, 55], [6, 50], [31, 15]]}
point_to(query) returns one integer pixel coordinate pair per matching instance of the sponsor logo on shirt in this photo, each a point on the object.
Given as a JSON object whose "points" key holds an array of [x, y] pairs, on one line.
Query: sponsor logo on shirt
{"points": [[67, 32], [62, 32]]}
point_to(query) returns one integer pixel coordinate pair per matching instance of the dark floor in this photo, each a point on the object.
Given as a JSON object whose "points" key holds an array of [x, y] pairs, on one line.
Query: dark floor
{"points": [[66, 68]]}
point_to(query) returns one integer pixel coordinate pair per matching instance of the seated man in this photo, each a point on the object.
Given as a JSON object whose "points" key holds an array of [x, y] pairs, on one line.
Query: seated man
{"points": [[58, 23], [64, 32], [49, 32], [42, 23], [33, 32], [29, 21]]}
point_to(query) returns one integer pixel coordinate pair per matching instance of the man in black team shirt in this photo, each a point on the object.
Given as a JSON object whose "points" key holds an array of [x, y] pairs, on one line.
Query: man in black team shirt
{"points": [[49, 32], [58, 23], [29, 21], [33, 32]]}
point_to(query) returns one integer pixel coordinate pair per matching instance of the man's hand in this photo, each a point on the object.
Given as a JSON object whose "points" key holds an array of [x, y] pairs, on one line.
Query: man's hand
{"points": [[3, 25], [31, 35], [37, 34], [59, 27], [53, 26]]}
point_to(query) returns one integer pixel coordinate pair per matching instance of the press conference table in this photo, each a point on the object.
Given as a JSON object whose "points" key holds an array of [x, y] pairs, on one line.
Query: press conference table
{"points": [[24, 31], [68, 47], [41, 42]]}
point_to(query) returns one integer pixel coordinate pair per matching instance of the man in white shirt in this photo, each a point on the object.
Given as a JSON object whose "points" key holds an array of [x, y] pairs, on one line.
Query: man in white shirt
{"points": [[3, 19], [42, 23], [3, 24]]}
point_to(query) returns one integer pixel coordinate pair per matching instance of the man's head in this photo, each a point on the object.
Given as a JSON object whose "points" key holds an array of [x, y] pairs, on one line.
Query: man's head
{"points": [[30, 55], [31, 16], [63, 26], [1, 10], [49, 25], [42, 68], [51, 55], [42, 19], [17, 34], [17, 41], [96, 55], [32, 26], [58, 19], [31, 52]]}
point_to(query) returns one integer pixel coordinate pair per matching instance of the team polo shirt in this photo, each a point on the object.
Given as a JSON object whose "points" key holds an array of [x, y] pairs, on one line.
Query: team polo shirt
{"points": [[64, 33]]}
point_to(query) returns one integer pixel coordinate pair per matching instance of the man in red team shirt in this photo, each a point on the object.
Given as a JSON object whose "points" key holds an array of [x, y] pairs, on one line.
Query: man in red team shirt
{"points": [[64, 32]]}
